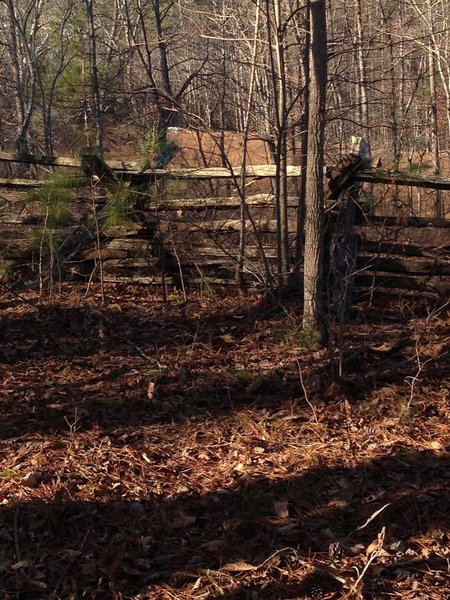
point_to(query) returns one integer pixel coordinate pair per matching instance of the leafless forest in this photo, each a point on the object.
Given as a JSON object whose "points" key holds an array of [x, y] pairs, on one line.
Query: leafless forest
{"points": [[72, 69]]}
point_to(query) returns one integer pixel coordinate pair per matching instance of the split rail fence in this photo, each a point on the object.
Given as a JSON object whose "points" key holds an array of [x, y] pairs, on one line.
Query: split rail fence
{"points": [[182, 242]]}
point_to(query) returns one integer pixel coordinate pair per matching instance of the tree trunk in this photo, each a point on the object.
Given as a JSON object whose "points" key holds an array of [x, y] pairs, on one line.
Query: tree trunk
{"points": [[276, 44], [434, 133], [95, 87], [22, 29], [300, 237], [240, 280], [282, 116], [312, 279], [363, 107], [166, 112]]}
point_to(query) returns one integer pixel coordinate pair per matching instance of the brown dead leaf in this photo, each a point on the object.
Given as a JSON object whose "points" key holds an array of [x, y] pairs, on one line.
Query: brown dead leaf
{"points": [[146, 458], [435, 445], [39, 585], [22, 564], [198, 584], [281, 509], [372, 547], [437, 350], [238, 566], [69, 554], [151, 390], [227, 338]]}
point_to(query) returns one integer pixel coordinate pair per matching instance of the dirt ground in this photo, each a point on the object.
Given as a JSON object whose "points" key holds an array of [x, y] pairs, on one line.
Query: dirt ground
{"points": [[198, 449]]}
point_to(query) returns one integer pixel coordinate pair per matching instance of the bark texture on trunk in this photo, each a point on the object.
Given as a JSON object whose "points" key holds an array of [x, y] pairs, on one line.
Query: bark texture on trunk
{"points": [[312, 279]]}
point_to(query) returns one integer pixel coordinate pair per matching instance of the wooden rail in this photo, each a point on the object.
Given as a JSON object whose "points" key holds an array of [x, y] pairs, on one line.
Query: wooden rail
{"points": [[63, 161], [402, 178], [252, 171]]}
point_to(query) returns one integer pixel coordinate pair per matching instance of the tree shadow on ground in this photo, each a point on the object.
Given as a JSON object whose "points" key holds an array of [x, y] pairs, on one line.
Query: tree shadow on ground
{"points": [[57, 330], [238, 539], [115, 395], [94, 366]]}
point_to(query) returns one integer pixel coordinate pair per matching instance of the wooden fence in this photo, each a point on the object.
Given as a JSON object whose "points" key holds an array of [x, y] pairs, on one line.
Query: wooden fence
{"points": [[183, 242]]}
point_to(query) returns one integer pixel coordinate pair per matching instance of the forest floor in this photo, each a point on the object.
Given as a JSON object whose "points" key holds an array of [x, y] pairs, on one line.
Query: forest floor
{"points": [[198, 449]]}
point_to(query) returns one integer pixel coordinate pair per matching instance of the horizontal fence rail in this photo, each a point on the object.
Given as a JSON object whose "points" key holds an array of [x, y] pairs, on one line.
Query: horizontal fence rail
{"points": [[194, 240], [375, 175]]}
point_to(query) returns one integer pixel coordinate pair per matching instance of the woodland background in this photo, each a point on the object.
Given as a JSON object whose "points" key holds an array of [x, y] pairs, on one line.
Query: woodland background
{"points": [[74, 71]]}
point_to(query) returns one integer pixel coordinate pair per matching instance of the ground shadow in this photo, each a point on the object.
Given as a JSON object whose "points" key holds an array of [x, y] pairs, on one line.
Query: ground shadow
{"points": [[59, 364], [129, 549], [82, 369]]}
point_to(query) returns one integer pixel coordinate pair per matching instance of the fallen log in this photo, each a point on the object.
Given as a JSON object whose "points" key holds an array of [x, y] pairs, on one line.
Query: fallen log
{"points": [[22, 183], [186, 204], [143, 279], [63, 161]]}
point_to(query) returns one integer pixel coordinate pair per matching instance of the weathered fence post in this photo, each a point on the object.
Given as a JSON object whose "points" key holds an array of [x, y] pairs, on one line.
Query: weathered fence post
{"points": [[343, 248]]}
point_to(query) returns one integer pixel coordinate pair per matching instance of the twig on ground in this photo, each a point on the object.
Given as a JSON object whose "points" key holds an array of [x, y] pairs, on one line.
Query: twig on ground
{"points": [[141, 352], [373, 555], [373, 516], [305, 392]]}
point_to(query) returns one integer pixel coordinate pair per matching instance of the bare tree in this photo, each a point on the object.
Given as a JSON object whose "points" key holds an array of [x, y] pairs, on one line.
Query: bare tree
{"points": [[156, 38], [52, 66], [246, 128], [276, 37], [23, 22], [434, 48], [312, 279], [95, 86]]}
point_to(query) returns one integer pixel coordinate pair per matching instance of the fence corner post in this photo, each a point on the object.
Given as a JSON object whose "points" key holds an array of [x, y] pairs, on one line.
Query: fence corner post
{"points": [[343, 240]]}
